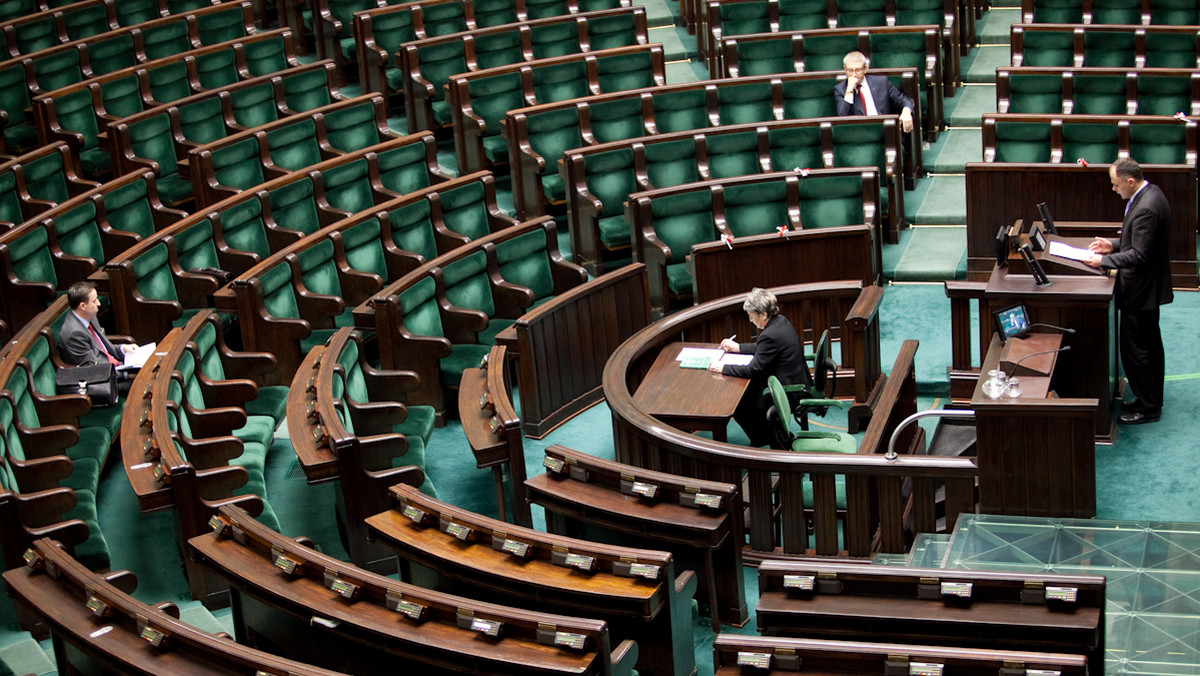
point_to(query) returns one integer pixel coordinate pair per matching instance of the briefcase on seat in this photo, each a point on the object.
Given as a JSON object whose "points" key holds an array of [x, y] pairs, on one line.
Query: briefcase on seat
{"points": [[98, 381]]}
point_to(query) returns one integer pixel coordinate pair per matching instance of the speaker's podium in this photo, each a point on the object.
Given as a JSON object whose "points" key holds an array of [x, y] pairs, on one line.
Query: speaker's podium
{"points": [[1036, 450]]}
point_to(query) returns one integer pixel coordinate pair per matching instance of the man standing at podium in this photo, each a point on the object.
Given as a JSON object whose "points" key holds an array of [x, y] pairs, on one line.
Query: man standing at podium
{"points": [[1140, 258]]}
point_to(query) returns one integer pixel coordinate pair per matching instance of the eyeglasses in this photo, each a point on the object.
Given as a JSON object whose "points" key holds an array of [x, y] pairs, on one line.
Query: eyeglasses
{"points": [[859, 69]]}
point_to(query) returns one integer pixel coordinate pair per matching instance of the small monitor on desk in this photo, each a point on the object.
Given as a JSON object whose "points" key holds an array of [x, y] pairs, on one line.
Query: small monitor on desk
{"points": [[1012, 322], [1047, 221]]}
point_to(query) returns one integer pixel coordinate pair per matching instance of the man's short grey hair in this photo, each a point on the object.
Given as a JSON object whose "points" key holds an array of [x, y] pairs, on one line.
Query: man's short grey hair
{"points": [[855, 57], [761, 300]]}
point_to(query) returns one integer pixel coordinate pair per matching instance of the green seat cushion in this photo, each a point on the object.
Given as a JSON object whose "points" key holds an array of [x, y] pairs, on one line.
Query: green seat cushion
{"points": [[270, 401], [461, 357], [679, 280], [614, 232], [253, 458], [92, 552], [85, 476], [495, 148], [419, 423], [258, 428]]}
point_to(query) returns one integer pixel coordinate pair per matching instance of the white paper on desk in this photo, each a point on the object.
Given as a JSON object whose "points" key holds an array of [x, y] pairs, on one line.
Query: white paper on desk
{"points": [[713, 353], [137, 358], [736, 359], [1067, 251]]}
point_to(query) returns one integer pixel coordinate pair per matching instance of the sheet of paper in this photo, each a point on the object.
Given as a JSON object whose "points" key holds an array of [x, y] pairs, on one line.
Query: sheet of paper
{"points": [[137, 358], [696, 353], [736, 359], [1067, 251]]}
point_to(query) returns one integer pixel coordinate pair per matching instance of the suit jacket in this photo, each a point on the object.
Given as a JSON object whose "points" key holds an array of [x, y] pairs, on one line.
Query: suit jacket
{"points": [[76, 346], [777, 352], [1141, 256], [888, 99]]}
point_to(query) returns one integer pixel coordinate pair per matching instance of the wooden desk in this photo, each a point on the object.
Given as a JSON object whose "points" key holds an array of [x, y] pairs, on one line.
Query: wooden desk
{"points": [[1079, 302], [1036, 455], [690, 399]]}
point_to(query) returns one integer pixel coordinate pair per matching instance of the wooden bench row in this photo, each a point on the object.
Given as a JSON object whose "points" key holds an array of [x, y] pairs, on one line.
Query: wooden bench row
{"points": [[97, 624], [1098, 91], [165, 277], [1067, 45], [539, 136], [822, 50], [291, 598], [665, 223], [37, 180], [426, 66], [1145, 12]]}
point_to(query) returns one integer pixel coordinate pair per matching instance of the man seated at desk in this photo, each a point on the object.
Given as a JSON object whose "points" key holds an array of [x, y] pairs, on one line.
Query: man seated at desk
{"points": [[777, 351], [862, 94], [81, 341]]}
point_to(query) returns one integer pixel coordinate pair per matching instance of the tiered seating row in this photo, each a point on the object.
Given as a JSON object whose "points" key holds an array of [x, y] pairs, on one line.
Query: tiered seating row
{"points": [[1070, 45]]}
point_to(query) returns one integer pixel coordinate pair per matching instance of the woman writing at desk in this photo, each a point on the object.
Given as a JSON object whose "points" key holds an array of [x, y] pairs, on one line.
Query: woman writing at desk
{"points": [[778, 352]]}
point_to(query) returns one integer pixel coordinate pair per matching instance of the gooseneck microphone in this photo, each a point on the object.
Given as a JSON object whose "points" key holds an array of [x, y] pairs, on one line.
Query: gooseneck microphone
{"points": [[1052, 326], [1036, 354]]}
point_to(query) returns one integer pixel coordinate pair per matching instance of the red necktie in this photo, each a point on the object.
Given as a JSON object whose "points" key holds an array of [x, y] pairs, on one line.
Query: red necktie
{"points": [[111, 359], [863, 95]]}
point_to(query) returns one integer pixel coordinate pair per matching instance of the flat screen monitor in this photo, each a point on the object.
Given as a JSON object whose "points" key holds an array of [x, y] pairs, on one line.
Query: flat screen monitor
{"points": [[1012, 322]]}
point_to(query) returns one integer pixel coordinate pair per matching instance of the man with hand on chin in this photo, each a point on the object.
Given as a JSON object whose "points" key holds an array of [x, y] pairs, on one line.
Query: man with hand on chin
{"points": [[878, 97]]}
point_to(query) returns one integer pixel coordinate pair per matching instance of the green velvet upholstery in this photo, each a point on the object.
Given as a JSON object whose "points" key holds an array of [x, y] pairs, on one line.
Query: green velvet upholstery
{"points": [[347, 186], [242, 227], [362, 246], [271, 400], [352, 128], [898, 50], [1095, 143], [419, 310], [74, 113], [131, 12], [10, 202], [319, 274], [1163, 94], [89, 451], [467, 285], [1125, 12], [740, 104], [57, 69], [797, 15], [497, 12], [607, 32], [1022, 142], [765, 57], [619, 119], [610, 181], [293, 206], [681, 220], [150, 139], [19, 132], [525, 260], [828, 201], [550, 135], [78, 233], [1058, 11], [220, 26], [128, 208], [1174, 13], [862, 145], [1111, 49], [1035, 93], [620, 73], [729, 155], [441, 18], [861, 13], [419, 421], [561, 81], [1049, 49], [538, 9], [262, 57], [153, 273], [45, 177], [403, 169], [669, 163], [34, 36], [237, 165], [803, 99], [217, 69], [42, 371], [28, 258], [169, 81], [744, 18], [795, 148], [1099, 94], [290, 146], [412, 229], [1158, 143], [919, 12], [806, 441], [389, 30], [163, 40], [305, 88], [439, 61], [755, 209], [680, 110], [825, 52], [259, 429], [1171, 51], [464, 210], [252, 106]]}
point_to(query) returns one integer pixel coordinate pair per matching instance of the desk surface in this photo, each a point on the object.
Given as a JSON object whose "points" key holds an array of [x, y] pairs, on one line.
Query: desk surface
{"points": [[695, 396]]}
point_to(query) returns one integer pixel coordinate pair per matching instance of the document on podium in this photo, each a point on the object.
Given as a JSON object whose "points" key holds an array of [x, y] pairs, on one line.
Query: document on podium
{"points": [[136, 359], [701, 357], [1067, 251]]}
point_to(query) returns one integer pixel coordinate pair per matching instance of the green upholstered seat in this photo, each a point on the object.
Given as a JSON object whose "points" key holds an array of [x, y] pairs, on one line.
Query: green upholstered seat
{"points": [[539, 9], [92, 552], [19, 132], [1095, 143], [1049, 49], [293, 207], [78, 233], [362, 247], [291, 146], [347, 186], [34, 35], [827, 201], [825, 52], [550, 134], [560, 81], [489, 13], [741, 104], [262, 57], [1099, 94], [389, 30], [270, 400], [304, 88], [217, 69], [11, 212], [468, 285], [1035, 93], [412, 229], [682, 219], [743, 18], [464, 209], [1174, 13], [1158, 143], [1110, 49], [28, 257], [861, 13], [490, 98], [220, 26], [898, 50], [88, 452], [503, 47], [1164, 94], [1123, 12], [1058, 11], [610, 180], [735, 154], [318, 272], [421, 316], [403, 169], [863, 145], [803, 99], [1024, 142], [439, 61], [56, 69], [680, 110], [798, 15], [252, 106], [606, 32], [45, 177], [670, 163], [258, 429], [42, 370], [242, 227], [132, 12], [112, 53], [795, 148], [616, 120], [169, 81], [165, 39], [755, 208], [525, 260], [766, 56], [74, 113], [441, 18], [237, 165], [620, 73], [352, 128], [128, 208], [150, 139], [419, 420], [1171, 51], [920, 12]]}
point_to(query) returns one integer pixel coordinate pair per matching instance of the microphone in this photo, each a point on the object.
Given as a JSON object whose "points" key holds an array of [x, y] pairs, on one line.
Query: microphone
{"points": [[1052, 326], [1037, 354]]}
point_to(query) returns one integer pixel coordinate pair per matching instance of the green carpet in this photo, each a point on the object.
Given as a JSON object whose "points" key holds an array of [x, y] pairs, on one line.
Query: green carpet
{"points": [[934, 254], [674, 48], [969, 105], [994, 29], [981, 64], [942, 201], [954, 148]]}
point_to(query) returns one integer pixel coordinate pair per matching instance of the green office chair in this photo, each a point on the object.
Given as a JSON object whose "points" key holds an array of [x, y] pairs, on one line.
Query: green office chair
{"points": [[814, 400]]}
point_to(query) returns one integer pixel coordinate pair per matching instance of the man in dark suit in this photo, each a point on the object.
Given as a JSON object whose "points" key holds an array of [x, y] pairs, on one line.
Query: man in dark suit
{"points": [[1140, 258], [777, 352], [878, 97], [81, 341]]}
